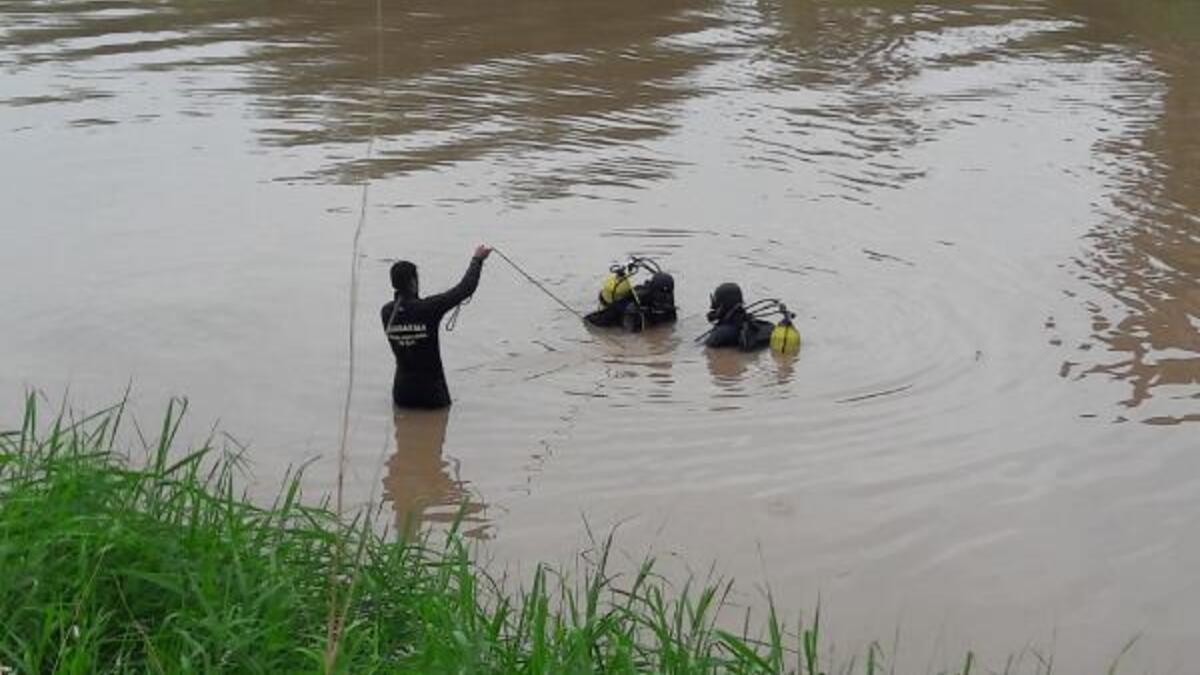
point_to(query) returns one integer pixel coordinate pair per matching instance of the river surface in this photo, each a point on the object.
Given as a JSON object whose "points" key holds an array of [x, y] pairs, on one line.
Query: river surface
{"points": [[986, 216]]}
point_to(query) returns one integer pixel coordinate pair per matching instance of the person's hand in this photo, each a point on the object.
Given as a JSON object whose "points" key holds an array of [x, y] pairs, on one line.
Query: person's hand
{"points": [[482, 251]]}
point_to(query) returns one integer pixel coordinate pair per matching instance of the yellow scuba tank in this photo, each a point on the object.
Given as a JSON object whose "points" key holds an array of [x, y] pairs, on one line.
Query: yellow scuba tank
{"points": [[617, 286], [785, 339]]}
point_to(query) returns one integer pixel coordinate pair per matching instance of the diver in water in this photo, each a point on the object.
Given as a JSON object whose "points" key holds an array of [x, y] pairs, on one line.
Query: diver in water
{"points": [[740, 325], [635, 308], [732, 325], [411, 324]]}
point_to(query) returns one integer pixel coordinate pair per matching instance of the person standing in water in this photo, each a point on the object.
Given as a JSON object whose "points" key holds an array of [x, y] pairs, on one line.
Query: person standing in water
{"points": [[411, 324]]}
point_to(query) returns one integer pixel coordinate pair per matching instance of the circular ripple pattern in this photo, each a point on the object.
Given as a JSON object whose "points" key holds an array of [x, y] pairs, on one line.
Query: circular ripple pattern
{"points": [[986, 216]]}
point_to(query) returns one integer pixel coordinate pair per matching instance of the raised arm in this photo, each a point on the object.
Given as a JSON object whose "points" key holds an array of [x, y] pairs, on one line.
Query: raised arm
{"points": [[444, 302]]}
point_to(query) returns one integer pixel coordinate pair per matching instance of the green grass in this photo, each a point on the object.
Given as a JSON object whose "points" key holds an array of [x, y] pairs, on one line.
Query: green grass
{"points": [[155, 562]]}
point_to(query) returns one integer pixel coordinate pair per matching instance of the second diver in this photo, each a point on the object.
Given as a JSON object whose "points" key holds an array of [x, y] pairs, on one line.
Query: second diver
{"points": [[741, 325], [639, 307]]}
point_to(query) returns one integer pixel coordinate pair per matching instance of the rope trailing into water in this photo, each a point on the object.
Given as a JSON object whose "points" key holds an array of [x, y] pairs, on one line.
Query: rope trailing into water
{"points": [[540, 286]]}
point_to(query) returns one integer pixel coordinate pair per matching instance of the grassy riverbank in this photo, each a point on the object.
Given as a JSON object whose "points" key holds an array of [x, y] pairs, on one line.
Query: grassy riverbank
{"points": [[155, 562]]}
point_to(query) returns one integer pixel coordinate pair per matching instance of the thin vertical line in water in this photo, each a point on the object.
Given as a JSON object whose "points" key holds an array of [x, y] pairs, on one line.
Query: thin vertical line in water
{"points": [[355, 248], [336, 618]]}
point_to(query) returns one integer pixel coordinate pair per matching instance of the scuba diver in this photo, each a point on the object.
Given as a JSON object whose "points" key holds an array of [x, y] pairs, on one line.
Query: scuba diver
{"points": [[736, 324], [411, 324], [635, 308]]}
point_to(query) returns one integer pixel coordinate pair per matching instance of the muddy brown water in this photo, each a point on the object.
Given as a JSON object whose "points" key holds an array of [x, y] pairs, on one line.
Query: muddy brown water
{"points": [[987, 216]]}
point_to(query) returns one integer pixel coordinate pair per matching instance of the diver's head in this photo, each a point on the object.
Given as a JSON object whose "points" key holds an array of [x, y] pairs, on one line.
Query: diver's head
{"points": [[661, 282], [724, 300], [404, 279]]}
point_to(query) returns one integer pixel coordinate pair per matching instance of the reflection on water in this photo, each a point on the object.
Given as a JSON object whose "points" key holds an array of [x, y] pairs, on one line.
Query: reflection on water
{"points": [[938, 189], [738, 375], [1146, 255], [422, 485], [458, 82], [785, 367], [728, 368]]}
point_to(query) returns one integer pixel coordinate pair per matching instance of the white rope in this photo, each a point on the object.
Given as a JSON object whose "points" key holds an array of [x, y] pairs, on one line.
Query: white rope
{"points": [[355, 265], [337, 615]]}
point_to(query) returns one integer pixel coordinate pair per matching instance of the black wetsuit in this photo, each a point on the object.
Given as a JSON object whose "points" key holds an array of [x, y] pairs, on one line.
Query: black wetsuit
{"points": [[412, 327], [651, 303], [739, 329]]}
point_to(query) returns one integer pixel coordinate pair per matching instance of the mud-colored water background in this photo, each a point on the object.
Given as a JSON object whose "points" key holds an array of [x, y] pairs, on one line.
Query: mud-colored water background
{"points": [[987, 216]]}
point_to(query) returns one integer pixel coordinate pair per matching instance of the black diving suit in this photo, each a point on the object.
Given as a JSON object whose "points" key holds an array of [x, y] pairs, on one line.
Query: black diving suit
{"points": [[732, 325], [650, 304], [742, 331], [412, 324]]}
